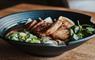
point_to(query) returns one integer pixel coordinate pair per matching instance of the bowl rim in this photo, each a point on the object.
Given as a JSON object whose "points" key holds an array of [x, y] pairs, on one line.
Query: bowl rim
{"points": [[42, 10]]}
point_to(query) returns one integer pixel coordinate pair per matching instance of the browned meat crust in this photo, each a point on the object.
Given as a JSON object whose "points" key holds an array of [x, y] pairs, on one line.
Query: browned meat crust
{"points": [[30, 24], [62, 33], [54, 27], [66, 21], [40, 28]]}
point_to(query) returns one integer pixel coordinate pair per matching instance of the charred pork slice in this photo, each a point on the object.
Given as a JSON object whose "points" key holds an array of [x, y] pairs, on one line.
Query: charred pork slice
{"points": [[66, 21], [38, 23], [40, 28], [62, 33], [54, 27], [31, 24]]}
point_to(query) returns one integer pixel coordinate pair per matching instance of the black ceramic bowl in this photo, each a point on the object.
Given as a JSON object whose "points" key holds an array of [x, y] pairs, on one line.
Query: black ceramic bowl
{"points": [[11, 20]]}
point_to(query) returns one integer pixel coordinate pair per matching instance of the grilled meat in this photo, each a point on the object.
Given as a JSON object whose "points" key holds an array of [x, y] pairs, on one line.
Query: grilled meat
{"points": [[40, 28], [30, 24], [38, 24], [62, 33], [66, 21], [58, 30], [54, 27]]}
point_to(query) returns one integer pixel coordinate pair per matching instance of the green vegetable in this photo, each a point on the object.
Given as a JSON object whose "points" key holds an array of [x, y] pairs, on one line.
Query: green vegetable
{"points": [[75, 36], [72, 32], [80, 31], [13, 36], [80, 35], [35, 40], [90, 30], [77, 28], [23, 36]]}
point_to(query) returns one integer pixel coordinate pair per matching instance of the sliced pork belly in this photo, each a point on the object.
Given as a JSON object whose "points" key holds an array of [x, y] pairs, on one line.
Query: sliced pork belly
{"points": [[31, 24], [38, 25], [58, 30], [62, 33], [54, 27], [66, 21], [40, 28]]}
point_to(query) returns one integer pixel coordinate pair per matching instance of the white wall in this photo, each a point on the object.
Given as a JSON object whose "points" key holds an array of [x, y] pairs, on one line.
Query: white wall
{"points": [[86, 5]]}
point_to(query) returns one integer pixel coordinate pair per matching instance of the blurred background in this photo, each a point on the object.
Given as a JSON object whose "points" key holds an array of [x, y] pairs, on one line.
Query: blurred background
{"points": [[85, 5], [9, 3]]}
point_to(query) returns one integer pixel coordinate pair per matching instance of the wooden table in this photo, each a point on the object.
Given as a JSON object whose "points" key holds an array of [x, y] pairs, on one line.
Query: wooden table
{"points": [[85, 51]]}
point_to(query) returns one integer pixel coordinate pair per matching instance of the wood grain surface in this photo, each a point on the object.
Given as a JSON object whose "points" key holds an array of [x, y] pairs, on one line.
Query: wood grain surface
{"points": [[85, 51]]}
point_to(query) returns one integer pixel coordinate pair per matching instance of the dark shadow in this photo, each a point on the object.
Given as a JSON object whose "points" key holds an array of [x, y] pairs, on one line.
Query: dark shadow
{"points": [[62, 3], [7, 49], [8, 3]]}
